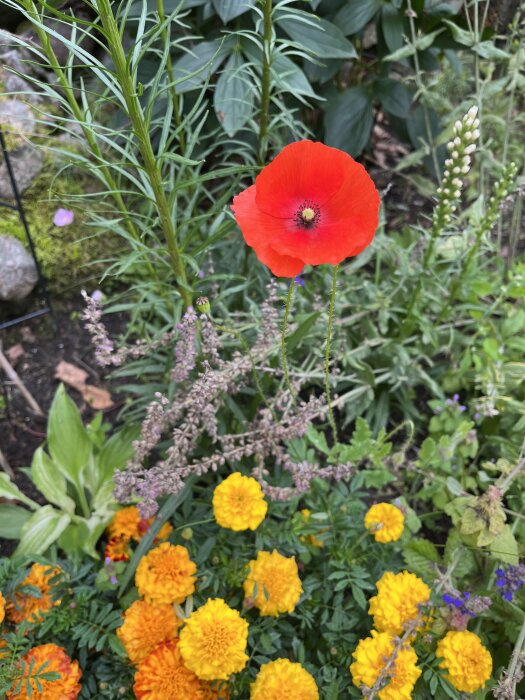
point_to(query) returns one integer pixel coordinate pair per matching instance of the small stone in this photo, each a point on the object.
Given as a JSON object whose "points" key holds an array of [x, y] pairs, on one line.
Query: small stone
{"points": [[18, 273], [27, 163]]}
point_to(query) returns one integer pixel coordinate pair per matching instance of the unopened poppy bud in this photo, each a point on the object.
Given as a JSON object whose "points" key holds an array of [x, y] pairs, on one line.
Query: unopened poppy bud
{"points": [[203, 305], [187, 533]]}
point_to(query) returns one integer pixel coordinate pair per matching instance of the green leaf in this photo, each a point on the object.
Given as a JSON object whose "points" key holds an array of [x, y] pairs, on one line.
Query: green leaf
{"points": [[49, 481], [394, 97], [421, 43], [420, 557], [42, 529], [68, 440], [393, 26], [353, 16], [317, 35], [12, 520], [229, 9], [486, 49], [289, 77], [302, 331], [348, 120], [12, 492], [193, 69], [115, 454], [460, 35], [233, 96], [504, 547]]}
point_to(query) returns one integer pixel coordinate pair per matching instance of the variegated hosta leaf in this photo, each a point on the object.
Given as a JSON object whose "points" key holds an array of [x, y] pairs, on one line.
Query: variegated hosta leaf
{"points": [[49, 481], [42, 529]]}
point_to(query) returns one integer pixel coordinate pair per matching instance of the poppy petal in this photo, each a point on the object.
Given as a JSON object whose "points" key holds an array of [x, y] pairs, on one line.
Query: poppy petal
{"points": [[303, 171], [257, 227]]}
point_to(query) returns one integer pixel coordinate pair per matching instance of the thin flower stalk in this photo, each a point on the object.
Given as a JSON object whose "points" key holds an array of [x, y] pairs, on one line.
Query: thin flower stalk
{"points": [[284, 361], [327, 354]]}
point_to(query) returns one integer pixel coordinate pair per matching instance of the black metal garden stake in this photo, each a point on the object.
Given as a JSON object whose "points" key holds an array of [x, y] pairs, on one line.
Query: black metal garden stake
{"points": [[18, 206]]}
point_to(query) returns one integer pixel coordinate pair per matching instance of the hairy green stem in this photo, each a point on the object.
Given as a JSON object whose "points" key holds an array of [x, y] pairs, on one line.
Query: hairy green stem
{"points": [[88, 134], [140, 130], [283, 338], [327, 355], [266, 77]]}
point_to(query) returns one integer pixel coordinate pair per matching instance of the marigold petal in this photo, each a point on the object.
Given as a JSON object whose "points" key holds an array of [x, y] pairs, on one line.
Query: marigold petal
{"points": [[145, 626], [467, 662], [283, 678], [66, 687]]}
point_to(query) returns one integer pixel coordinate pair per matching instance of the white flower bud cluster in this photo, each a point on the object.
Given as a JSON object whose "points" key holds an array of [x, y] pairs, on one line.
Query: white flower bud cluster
{"points": [[461, 147]]}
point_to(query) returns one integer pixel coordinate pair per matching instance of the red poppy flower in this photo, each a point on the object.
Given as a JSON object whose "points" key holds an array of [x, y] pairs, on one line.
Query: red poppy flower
{"points": [[311, 205]]}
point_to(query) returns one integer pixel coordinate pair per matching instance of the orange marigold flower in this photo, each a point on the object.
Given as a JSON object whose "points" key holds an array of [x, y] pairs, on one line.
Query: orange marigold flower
{"points": [[213, 641], [117, 549], [238, 503], [166, 575], [385, 522], [163, 676], [27, 607], [67, 687], [277, 581], [128, 524], [2, 607], [145, 626]]}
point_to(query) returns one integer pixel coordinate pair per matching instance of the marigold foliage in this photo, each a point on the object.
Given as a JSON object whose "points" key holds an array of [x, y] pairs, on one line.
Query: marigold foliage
{"points": [[145, 626], [397, 601], [166, 575], [27, 607], [163, 676], [372, 655], [238, 503], [311, 539], [282, 678], [385, 522], [273, 583], [67, 687], [467, 662], [213, 641], [128, 525]]}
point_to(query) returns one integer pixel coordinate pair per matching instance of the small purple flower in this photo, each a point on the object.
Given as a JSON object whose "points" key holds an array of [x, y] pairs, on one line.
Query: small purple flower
{"points": [[113, 580], [456, 397], [299, 281], [63, 217], [462, 408], [509, 580], [477, 415], [449, 402]]}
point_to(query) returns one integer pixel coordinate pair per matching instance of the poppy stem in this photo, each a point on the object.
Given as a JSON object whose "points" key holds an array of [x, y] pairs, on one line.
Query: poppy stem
{"points": [[331, 418], [283, 338]]}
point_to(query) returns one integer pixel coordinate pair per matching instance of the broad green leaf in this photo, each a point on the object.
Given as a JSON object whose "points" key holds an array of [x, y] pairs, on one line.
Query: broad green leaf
{"points": [[193, 69], [486, 49], [460, 35], [116, 453], [421, 557], [353, 16], [103, 500], [302, 330], [504, 547], [68, 440], [290, 77], [12, 519], [12, 492], [42, 529], [49, 481], [317, 35], [229, 9], [394, 97], [233, 96], [82, 536], [394, 27], [348, 120]]}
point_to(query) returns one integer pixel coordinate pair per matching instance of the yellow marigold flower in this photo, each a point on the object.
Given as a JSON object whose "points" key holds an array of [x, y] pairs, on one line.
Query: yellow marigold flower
{"points": [[372, 655], [277, 581], [397, 601], [2, 607], [145, 626], [67, 687], [467, 662], [213, 641], [128, 525], [166, 575], [281, 678], [163, 676], [311, 539], [26, 607], [238, 503], [385, 522]]}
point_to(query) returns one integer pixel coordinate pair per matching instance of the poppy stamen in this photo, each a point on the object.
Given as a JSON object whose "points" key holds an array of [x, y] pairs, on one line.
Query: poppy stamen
{"points": [[308, 215]]}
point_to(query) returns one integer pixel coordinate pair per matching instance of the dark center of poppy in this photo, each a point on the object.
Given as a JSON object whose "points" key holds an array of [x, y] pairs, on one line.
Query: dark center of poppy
{"points": [[307, 215]]}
